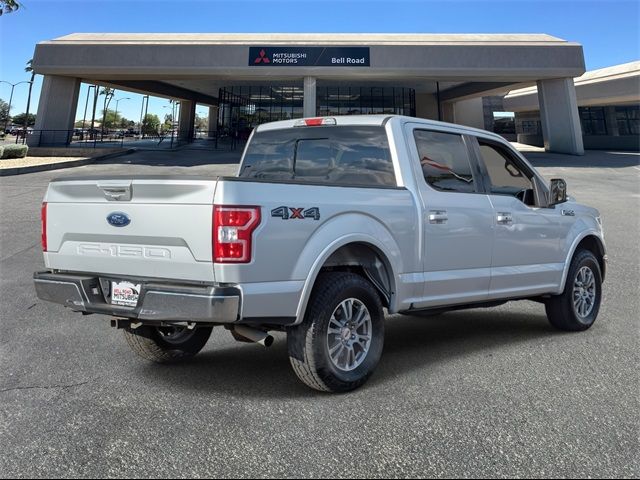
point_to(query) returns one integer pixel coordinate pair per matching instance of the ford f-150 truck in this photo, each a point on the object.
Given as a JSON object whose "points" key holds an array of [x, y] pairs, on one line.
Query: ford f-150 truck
{"points": [[328, 223]]}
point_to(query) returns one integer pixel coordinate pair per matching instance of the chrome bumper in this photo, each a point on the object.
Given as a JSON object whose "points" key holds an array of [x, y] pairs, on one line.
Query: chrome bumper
{"points": [[157, 301]]}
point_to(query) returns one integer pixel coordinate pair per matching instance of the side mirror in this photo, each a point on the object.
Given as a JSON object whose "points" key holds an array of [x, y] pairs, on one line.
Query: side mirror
{"points": [[557, 191]]}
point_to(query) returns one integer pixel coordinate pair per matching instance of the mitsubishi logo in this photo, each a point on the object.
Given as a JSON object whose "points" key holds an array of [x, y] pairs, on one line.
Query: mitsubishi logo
{"points": [[262, 58]]}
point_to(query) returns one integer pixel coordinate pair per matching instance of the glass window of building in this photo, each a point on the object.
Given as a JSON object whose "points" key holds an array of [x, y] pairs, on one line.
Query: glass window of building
{"points": [[242, 108], [341, 100], [592, 120], [628, 118], [530, 127]]}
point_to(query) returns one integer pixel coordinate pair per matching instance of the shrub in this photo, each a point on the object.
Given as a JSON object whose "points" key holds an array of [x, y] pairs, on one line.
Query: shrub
{"points": [[15, 151], [1, 150]]}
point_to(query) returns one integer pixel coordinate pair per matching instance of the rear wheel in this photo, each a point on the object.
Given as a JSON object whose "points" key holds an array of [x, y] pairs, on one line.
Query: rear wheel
{"points": [[577, 308], [339, 344], [167, 344]]}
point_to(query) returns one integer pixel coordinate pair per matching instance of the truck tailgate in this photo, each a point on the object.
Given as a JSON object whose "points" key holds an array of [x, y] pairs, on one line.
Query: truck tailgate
{"points": [[168, 234]]}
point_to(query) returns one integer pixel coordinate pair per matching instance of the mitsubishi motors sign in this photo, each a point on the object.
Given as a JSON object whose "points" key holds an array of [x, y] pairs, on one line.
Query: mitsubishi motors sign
{"points": [[309, 56]]}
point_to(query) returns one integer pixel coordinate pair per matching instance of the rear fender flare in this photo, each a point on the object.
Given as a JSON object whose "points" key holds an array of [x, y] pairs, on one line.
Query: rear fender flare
{"points": [[369, 231]]}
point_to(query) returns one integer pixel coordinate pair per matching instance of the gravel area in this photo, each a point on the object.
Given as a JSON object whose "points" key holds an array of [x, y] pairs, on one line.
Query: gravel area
{"points": [[33, 161]]}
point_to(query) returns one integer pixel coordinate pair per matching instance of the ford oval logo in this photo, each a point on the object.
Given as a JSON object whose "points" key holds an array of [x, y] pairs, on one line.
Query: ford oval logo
{"points": [[118, 219]]}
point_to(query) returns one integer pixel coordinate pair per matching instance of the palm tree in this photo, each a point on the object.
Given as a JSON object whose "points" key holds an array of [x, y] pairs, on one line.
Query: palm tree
{"points": [[8, 6], [29, 69], [108, 95]]}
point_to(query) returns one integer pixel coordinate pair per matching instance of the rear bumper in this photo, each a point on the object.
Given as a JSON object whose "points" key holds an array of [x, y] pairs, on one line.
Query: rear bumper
{"points": [[157, 302]]}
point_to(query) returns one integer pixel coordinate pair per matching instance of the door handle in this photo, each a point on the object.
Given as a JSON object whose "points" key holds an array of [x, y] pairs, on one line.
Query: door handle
{"points": [[504, 218], [438, 217], [116, 191]]}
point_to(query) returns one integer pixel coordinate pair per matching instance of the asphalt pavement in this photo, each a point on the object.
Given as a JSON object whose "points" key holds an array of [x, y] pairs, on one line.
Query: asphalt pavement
{"points": [[479, 393]]}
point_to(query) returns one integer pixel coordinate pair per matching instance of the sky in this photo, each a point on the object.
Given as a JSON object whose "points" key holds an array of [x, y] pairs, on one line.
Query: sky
{"points": [[607, 29]]}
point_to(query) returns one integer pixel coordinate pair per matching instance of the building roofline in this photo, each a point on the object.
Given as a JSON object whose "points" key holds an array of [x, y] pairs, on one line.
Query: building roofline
{"points": [[614, 72], [310, 39]]}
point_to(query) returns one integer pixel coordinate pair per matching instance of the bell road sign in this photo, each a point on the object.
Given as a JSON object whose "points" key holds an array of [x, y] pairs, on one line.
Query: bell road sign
{"points": [[309, 56]]}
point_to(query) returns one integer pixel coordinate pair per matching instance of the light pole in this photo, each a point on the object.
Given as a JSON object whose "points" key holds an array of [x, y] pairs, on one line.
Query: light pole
{"points": [[124, 98], [143, 114], [13, 85], [173, 120], [86, 104]]}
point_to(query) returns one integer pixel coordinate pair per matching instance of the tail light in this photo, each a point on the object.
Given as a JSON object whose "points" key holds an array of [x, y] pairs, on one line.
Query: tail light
{"points": [[233, 228], [43, 223]]}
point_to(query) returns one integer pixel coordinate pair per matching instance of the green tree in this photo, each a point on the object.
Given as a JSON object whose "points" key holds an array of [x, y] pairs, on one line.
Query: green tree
{"points": [[168, 122], [8, 6], [21, 119], [202, 123], [4, 112], [111, 120], [150, 124]]}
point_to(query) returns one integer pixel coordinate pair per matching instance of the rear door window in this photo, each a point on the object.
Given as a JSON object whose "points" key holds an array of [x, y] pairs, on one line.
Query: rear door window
{"points": [[445, 163], [341, 155]]}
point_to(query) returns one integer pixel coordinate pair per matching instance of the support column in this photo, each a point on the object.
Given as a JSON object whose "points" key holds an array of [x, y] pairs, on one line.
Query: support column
{"points": [[56, 111], [559, 116], [213, 121], [448, 112], [309, 102], [469, 112], [187, 120], [426, 106]]}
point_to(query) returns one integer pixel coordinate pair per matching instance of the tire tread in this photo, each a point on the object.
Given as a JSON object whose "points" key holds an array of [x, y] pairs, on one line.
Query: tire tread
{"points": [[327, 287], [559, 308]]}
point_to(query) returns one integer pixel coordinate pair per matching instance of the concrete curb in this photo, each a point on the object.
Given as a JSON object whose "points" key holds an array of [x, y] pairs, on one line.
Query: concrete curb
{"points": [[55, 166]]}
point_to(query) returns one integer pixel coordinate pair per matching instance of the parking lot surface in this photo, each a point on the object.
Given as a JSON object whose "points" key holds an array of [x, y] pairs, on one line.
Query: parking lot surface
{"points": [[487, 392]]}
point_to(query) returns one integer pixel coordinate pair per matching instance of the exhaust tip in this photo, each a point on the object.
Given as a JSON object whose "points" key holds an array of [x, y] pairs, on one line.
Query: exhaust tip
{"points": [[243, 333]]}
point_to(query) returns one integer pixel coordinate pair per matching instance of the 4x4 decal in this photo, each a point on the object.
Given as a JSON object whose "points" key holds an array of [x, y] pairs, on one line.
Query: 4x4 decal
{"points": [[290, 213]]}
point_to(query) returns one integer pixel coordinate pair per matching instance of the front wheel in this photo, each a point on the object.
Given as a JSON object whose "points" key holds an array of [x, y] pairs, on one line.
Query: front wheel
{"points": [[576, 309], [339, 344], [167, 344]]}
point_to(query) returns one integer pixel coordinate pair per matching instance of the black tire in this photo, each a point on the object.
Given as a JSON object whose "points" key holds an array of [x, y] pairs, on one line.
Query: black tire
{"points": [[561, 310], [159, 345], [308, 343]]}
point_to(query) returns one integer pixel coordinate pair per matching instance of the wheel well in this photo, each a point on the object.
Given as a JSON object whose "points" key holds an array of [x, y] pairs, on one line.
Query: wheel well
{"points": [[367, 261], [594, 245]]}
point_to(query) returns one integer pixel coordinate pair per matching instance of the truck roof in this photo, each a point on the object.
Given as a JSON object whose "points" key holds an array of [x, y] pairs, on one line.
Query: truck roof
{"points": [[378, 120]]}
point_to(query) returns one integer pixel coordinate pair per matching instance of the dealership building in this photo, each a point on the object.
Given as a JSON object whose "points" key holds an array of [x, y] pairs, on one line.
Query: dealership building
{"points": [[248, 79], [608, 107]]}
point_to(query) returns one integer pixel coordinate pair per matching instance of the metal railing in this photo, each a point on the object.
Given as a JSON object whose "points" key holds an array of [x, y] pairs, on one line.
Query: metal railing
{"points": [[94, 139], [76, 138]]}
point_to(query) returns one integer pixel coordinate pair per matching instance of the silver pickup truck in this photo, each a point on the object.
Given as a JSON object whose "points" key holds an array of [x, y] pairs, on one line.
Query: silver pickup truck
{"points": [[328, 223]]}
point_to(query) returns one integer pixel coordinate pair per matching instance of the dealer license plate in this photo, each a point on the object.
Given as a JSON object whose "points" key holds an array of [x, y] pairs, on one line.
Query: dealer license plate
{"points": [[125, 293]]}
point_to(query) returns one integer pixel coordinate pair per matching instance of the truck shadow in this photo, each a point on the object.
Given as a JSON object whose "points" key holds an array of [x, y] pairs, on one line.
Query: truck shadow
{"points": [[412, 343]]}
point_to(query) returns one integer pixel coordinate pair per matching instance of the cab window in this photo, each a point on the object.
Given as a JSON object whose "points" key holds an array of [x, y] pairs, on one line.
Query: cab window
{"points": [[335, 155], [444, 159]]}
